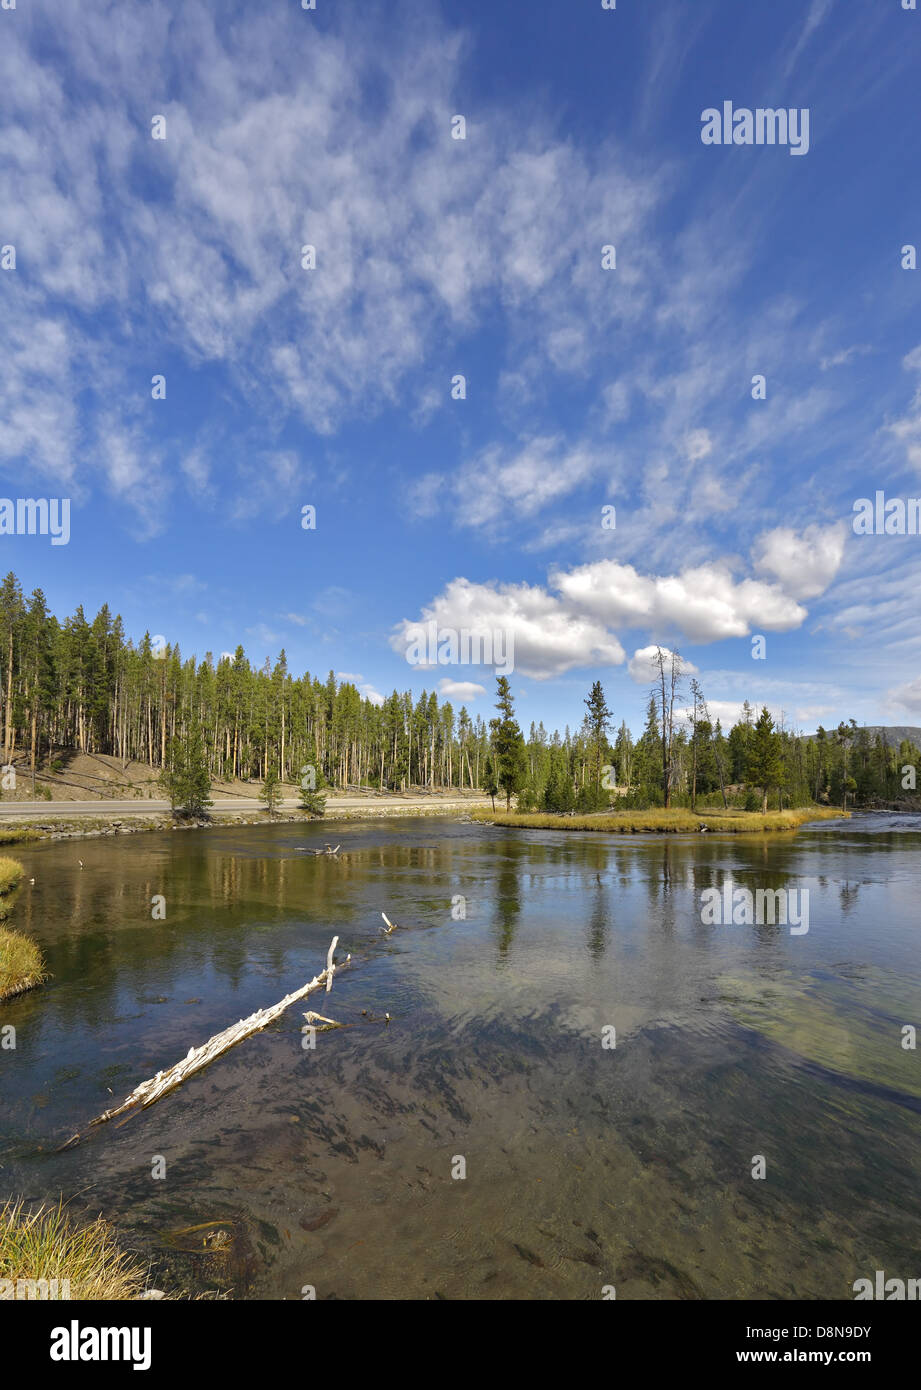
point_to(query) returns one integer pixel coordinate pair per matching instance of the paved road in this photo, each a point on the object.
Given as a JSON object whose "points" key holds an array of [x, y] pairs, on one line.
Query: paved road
{"points": [[56, 810]]}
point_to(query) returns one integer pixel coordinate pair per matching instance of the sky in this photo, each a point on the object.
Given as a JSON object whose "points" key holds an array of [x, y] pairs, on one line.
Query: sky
{"points": [[592, 379]]}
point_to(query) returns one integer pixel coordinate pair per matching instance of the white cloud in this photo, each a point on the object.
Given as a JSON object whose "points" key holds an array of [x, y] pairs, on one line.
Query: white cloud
{"points": [[643, 669], [804, 564], [548, 637], [371, 694], [557, 632], [704, 602], [500, 484], [272, 144], [908, 696], [818, 10], [263, 633], [698, 445], [908, 429], [460, 690], [730, 712], [846, 355]]}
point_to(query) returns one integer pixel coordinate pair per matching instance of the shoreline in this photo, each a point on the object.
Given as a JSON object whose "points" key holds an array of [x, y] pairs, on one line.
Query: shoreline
{"points": [[25, 828], [675, 821]]}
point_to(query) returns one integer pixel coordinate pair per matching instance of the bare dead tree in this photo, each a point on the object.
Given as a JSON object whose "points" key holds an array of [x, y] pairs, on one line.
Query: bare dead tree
{"points": [[666, 690]]}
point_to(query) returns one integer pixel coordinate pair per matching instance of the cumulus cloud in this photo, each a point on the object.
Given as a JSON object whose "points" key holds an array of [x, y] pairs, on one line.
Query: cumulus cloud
{"points": [[803, 564], [704, 602], [542, 635], [553, 632]]}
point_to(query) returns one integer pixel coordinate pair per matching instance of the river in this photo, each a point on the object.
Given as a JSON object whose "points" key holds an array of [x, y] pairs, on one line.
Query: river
{"points": [[285, 1169]]}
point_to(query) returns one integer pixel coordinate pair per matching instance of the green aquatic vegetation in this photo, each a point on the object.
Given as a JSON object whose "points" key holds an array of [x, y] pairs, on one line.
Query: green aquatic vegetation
{"points": [[854, 1028]]}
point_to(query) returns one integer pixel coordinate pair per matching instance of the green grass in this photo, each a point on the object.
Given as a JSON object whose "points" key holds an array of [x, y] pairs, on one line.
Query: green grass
{"points": [[22, 965], [46, 1244], [659, 820], [16, 834]]}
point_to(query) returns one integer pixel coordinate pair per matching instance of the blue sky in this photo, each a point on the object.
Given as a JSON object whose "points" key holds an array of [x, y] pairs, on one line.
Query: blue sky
{"points": [[586, 387]]}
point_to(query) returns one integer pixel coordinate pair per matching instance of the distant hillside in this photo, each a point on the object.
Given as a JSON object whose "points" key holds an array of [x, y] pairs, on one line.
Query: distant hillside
{"points": [[893, 734]]}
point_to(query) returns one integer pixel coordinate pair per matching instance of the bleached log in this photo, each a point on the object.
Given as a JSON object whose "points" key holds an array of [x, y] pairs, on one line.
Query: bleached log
{"points": [[391, 926], [199, 1057]]}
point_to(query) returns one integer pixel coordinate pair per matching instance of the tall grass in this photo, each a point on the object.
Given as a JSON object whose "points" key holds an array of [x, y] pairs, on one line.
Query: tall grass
{"points": [[46, 1244], [15, 834], [10, 875], [657, 819], [22, 965]]}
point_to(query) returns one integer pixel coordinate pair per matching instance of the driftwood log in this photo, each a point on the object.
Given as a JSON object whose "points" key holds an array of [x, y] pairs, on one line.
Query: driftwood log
{"points": [[198, 1057]]}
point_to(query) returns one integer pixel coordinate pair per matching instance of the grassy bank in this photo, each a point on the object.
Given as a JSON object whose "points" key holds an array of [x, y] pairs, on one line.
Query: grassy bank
{"points": [[46, 1244], [22, 965], [16, 834], [661, 821], [10, 875]]}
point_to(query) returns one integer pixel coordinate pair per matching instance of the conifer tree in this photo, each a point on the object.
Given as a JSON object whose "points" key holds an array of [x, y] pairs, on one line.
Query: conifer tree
{"points": [[270, 791], [764, 762], [511, 755]]}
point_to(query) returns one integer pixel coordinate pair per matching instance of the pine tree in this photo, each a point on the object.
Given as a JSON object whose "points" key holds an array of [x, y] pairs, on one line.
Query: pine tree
{"points": [[599, 720], [185, 777], [764, 756], [270, 791], [511, 755]]}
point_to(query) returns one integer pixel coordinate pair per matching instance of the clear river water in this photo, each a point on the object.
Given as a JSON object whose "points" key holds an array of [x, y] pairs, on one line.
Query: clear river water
{"points": [[585, 1166]]}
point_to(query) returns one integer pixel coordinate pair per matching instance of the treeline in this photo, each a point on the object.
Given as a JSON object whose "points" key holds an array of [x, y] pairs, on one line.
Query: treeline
{"points": [[683, 757], [753, 765], [81, 683]]}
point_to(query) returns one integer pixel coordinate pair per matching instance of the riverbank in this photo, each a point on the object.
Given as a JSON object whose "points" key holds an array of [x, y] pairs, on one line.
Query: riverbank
{"points": [[98, 819], [22, 965], [45, 1249], [659, 821]]}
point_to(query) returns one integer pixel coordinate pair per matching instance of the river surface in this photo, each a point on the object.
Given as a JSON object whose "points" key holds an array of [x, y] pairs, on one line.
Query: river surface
{"points": [[584, 1165]]}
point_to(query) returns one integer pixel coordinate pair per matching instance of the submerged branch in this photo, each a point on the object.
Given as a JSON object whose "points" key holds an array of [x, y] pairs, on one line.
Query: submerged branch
{"points": [[198, 1057]]}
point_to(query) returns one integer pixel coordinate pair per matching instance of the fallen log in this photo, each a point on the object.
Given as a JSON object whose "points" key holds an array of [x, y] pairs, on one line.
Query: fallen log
{"points": [[198, 1057]]}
